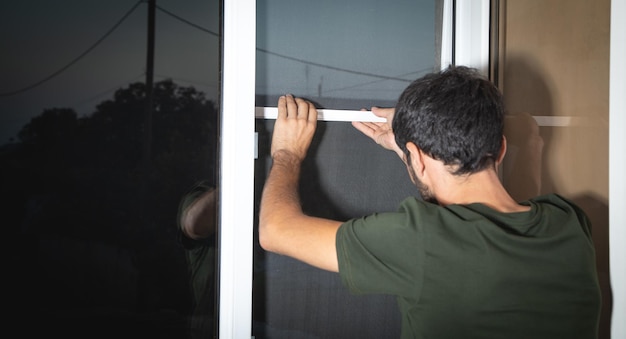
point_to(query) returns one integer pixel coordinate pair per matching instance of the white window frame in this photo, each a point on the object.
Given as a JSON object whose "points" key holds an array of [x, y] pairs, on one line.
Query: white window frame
{"points": [[236, 179], [617, 162], [471, 43]]}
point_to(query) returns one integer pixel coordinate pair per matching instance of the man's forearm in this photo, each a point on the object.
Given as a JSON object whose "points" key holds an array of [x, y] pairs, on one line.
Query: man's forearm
{"points": [[280, 201], [283, 228]]}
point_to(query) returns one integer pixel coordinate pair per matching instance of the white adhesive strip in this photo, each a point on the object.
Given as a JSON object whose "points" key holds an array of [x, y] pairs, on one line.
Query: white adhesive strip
{"points": [[368, 116], [325, 115]]}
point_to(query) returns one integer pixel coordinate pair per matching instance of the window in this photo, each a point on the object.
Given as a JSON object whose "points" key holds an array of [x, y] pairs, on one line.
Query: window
{"points": [[343, 56], [341, 78]]}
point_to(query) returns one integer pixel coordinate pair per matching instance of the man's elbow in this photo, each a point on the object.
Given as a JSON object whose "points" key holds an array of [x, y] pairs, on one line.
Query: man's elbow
{"points": [[268, 234], [264, 236]]}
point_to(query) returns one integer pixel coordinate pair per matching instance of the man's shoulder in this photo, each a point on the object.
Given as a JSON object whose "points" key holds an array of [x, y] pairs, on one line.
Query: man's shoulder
{"points": [[558, 201]]}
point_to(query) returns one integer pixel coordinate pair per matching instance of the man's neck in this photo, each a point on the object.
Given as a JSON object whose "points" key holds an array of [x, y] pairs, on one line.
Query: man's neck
{"points": [[483, 187]]}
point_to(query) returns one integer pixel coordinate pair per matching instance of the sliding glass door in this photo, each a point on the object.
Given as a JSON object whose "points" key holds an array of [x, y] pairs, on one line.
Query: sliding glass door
{"points": [[344, 56]]}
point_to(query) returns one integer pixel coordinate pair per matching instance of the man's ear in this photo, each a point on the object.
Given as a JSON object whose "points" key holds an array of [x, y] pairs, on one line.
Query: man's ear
{"points": [[416, 158], [502, 151]]}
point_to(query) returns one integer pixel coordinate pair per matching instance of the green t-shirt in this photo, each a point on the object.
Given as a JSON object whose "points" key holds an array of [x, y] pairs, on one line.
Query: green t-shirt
{"points": [[467, 271]]}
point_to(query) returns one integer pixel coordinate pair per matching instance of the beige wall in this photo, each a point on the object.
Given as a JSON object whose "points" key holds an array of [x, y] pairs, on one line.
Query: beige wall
{"points": [[554, 58]]}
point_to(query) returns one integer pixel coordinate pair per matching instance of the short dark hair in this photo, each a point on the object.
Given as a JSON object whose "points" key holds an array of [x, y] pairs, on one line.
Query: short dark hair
{"points": [[455, 116]]}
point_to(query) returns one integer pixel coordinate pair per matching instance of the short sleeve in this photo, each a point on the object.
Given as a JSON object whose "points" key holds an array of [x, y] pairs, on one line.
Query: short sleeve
{"points": [[382, 253]]}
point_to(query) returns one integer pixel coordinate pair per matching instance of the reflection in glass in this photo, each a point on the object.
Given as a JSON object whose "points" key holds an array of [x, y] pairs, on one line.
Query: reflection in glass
{"points": [[95, 251]]}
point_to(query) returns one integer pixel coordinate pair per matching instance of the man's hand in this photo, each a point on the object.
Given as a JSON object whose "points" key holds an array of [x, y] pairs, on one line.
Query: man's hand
{"points": [[380, 132], [294, 127]]}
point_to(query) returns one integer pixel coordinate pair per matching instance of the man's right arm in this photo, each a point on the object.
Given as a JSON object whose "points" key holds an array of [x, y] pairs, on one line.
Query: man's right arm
{"points": [[283, 227]]}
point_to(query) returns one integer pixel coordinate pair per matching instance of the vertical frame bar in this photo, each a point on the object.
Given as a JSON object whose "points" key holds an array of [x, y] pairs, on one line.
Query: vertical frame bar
{"points": [[237, 169], [617, 163], [447, 34], [471, 36]]}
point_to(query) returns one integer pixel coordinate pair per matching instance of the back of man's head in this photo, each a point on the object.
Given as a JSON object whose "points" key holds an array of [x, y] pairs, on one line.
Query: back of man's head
{"points": [[455, 116]]}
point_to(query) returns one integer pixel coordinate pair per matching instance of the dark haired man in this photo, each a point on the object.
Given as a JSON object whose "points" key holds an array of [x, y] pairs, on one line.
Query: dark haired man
{"points": [[467, 261]]}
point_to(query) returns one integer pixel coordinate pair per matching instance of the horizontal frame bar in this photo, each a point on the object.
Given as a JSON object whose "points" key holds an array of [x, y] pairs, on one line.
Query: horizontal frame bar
{"points": [[325, 115], [368, 116]]}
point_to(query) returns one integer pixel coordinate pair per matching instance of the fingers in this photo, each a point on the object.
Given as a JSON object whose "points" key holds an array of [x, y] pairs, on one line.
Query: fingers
{"points": [[287, 106], [363, 128], [312, 115], [303, 108], [282, 107], [290, 107], [369, 129], [384, 112]]}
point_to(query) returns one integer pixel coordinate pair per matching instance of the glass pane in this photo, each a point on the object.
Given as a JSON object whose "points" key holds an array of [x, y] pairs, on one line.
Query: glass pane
{"points": [[340, 54], [93, 198], [558, 132], [343, 54]]}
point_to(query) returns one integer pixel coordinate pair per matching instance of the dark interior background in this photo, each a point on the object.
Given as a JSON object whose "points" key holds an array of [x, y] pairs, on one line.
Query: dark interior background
{"points": [[94, 243]]}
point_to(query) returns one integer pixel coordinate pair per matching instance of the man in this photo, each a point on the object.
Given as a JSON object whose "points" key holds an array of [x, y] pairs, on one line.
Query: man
{"points": [[467, 261]]}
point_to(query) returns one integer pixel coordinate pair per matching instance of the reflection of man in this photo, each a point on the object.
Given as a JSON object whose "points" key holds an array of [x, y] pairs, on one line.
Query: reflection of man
{"points": [[197, 220], [522, 167], [468, 261]]}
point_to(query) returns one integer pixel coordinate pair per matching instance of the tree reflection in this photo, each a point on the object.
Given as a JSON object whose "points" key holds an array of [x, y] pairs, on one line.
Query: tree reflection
{"points": [[96, 245]]}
